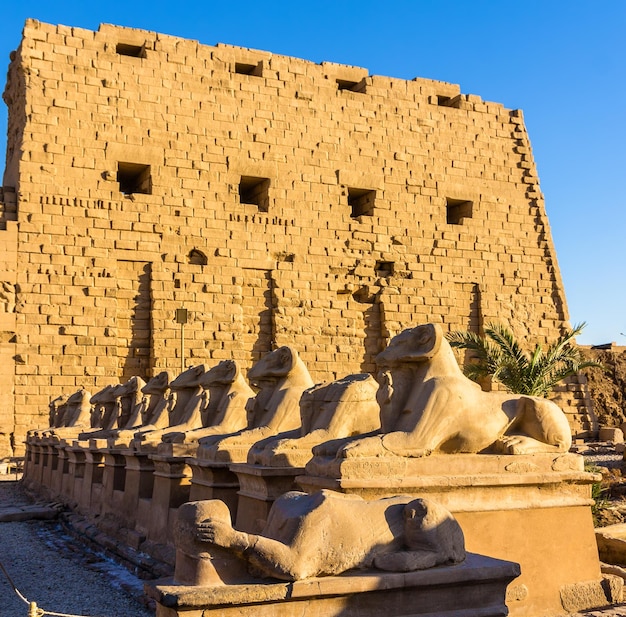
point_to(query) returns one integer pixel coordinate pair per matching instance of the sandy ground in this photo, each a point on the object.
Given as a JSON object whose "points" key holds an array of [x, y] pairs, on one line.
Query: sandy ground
{"points": [[48, 567]]}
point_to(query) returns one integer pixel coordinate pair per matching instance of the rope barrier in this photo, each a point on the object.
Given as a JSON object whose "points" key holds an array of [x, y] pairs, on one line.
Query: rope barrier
{"points": [[15, 589], [33, 609]]}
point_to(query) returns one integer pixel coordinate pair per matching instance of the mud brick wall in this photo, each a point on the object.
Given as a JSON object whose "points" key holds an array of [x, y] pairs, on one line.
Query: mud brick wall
{"points": [[278, 200]]}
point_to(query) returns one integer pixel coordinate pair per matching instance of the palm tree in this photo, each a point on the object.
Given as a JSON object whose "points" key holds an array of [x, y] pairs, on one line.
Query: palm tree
{"points": [[499, 356]]}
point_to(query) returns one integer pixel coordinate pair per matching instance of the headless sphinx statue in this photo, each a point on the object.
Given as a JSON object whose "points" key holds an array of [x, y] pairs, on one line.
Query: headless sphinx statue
{"points": [[428, 405], [281, 378], [327, 533], [335, 410]]}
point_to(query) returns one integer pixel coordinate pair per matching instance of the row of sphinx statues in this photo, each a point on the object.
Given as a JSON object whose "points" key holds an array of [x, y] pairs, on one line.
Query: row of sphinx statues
{"points": [[419, 403]]}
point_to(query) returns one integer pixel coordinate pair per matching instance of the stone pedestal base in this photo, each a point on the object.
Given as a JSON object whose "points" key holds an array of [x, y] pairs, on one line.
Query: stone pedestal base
{"points": [[35, 476], [29, 460], [138, 487], [475, 588], [91, 490], [59, 469], [49, 461], [66, 488], [76, 458], [212, 480], [172, 479], [113, 483], [259, 488], [532, 509]]}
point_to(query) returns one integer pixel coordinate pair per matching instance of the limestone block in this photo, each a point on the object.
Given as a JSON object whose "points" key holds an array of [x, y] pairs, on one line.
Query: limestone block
{"points": [[612, 544], [611, 433], [478, 585]]}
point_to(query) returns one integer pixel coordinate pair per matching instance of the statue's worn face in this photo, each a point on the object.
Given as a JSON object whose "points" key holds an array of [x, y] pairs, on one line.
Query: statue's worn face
{"points": [[424, 336], [419, 532], [275, 364], [222, 374], [145, 414], [158, 384], [417, 344]]}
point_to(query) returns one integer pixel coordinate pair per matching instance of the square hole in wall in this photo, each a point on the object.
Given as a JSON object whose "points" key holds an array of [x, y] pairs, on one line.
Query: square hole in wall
{"points": [[255, 191], [134, 51], [457, 210], [448, 101], [241, 68], [384, 268], [361, 201], [353, 86], [134, 178]]}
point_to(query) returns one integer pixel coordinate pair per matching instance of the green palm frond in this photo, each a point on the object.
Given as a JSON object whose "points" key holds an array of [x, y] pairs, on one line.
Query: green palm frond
{"points": [[499, 355], [485, 357]]}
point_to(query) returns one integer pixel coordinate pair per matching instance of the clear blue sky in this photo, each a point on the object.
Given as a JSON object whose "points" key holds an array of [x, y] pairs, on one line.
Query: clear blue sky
{"points": [[561, 61]]}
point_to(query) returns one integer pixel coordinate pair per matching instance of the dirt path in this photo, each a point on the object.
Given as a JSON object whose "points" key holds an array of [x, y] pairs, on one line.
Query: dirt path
{"points": [[48, 567]]}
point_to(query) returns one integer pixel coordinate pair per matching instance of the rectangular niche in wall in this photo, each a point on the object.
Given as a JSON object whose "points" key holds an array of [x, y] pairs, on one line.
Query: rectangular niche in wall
{"points": [[361, 201], [133, 319], [384, 268], [457, 210], [134, 178], [255, 192], [134, 51], [448, 101], [241, 68], [353, 86]]}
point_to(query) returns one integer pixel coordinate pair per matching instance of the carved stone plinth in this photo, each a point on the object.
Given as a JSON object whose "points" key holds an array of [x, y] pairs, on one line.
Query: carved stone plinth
{"points": [[34, 479], [533, 509], [138, 488], [259, 488], [76, 474], [29, 460], [476, 587], [172, 481], [60, 472], [91, 491], [113, 483], [49, 464], [212, 480]]}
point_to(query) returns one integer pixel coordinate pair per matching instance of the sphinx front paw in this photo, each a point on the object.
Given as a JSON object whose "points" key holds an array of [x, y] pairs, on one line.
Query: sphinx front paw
{"points": [[367, 447]]}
